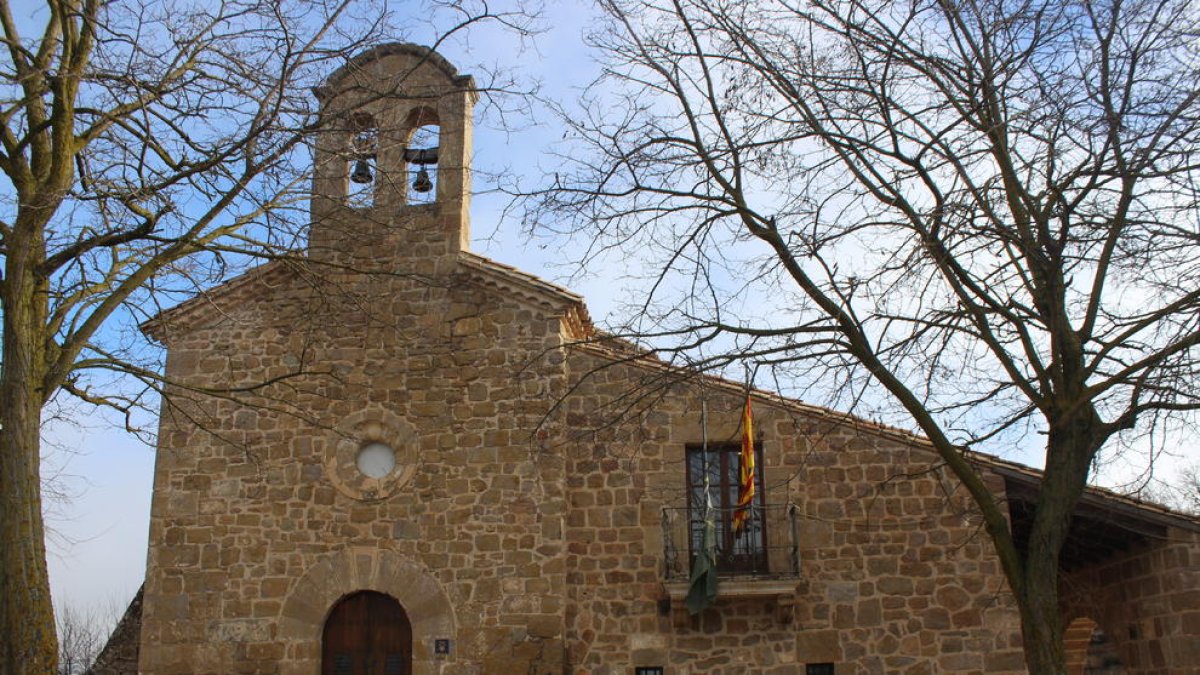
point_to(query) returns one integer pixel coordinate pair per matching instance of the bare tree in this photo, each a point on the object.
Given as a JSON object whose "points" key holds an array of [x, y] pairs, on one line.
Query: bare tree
{"points": [[80, 639], [1180, 492], [979, 216], [1187, 489], [82, 633], [150, 149]]}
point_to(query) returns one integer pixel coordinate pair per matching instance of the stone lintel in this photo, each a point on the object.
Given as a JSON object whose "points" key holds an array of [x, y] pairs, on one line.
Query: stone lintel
{"points": [[781, 591]]}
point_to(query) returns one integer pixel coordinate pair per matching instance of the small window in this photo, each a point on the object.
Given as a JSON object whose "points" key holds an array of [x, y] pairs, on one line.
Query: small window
{"points": [[648, 670], [376, 460], [818, 669]]}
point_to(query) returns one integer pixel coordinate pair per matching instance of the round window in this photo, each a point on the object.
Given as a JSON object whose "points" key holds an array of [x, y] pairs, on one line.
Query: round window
{"points": [[376, 460], [370, 455]]}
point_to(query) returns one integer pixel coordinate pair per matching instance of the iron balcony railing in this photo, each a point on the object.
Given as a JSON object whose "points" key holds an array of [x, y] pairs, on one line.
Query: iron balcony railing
{"points": [[768, 545]]}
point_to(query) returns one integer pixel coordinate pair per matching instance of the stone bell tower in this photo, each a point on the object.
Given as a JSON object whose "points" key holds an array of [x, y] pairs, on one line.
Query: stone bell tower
{"points": [[392, 159]]}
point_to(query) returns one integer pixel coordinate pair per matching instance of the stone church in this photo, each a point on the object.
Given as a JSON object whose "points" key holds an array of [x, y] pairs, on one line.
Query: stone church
{"points": [[397, 456]]}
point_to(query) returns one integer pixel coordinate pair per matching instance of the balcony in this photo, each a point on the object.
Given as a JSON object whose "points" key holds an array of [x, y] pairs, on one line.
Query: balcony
{"points": [[761, 561]]}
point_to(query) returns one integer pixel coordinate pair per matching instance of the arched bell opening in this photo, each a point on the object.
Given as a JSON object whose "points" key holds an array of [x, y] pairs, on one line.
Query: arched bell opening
{"points": [[421, 150], [367, 633], [362, 165]]}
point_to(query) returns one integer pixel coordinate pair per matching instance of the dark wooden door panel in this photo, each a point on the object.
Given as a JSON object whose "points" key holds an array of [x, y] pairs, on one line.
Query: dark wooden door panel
{"points": [[367, 633]]}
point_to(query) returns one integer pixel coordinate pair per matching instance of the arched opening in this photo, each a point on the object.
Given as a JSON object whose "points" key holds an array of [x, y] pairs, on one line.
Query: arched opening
{"points": [[362, 167], [421, 156], [1089, 650], [367, 633]]}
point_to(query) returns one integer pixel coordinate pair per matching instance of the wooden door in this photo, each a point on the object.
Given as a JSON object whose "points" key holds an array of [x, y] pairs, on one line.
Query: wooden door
{"points": [[367, 633]]}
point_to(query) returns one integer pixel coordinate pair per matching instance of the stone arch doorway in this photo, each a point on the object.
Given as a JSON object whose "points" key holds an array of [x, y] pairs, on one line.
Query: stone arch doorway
{"points": [[367, 633], [338, 574], [1089, 650]]}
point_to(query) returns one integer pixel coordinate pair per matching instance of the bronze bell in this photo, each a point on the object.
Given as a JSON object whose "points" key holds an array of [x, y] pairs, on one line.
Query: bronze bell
{"points": [[422, 183], [361, 174]]}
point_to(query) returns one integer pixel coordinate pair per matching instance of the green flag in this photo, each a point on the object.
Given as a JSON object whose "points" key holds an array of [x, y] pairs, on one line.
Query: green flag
{"points": [[702, 587]]}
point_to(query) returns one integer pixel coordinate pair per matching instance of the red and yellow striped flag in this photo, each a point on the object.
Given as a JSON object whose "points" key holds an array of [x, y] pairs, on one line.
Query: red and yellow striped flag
{"points": [[745, 472]]}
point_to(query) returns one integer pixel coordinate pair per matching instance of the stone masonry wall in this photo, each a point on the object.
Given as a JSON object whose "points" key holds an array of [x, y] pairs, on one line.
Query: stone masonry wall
{"points": [[897, 575], [120, 653], [250, 494], [1147, 602]]}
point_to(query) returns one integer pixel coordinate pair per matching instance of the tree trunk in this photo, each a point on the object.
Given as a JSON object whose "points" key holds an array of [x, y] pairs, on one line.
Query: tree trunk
{"points": [[28, 643], [1041, 624], [1071, 445]]}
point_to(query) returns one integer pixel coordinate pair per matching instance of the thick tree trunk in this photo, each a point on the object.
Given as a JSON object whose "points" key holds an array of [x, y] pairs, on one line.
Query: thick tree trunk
{"points": [[1071, 446], [26, 613], [1041, 624], [28, 643]]}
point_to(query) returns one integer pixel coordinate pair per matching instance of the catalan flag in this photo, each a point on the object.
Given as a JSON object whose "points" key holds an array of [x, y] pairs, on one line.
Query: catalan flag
{"points": [[745, 472]]}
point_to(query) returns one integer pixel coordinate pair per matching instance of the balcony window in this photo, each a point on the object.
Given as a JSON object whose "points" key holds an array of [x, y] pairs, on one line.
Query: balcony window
{"points": [[766, 547], [744, 552], [762, 561]]}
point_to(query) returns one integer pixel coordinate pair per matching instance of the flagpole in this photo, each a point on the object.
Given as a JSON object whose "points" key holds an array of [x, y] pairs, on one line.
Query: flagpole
{"points": [[702, 587]]}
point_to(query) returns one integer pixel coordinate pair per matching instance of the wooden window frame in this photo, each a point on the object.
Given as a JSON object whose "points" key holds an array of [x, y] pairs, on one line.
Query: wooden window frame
{"points": [[754, 560]]}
